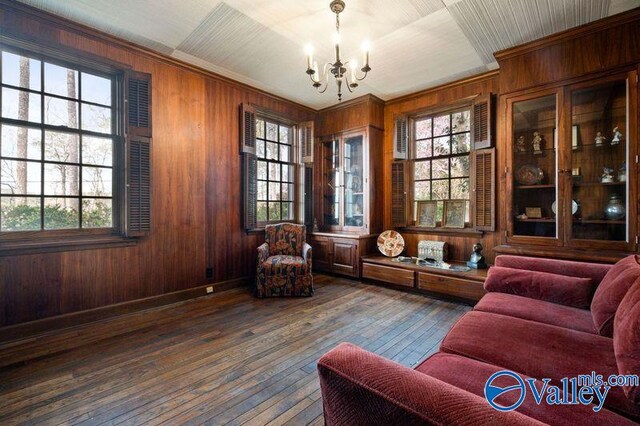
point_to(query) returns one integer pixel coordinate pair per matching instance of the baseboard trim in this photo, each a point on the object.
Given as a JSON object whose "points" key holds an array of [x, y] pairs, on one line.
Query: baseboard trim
{"points": [[42, 326]]}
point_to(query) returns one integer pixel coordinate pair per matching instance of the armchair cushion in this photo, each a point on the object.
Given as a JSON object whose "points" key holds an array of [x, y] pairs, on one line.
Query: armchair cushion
{"points": [[285, 239], [611, 291], [285, 265], [626, 339], [561, 289]]}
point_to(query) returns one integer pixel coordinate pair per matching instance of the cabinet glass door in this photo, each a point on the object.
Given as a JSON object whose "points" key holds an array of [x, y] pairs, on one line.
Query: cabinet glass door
{"points": [[599, 160], [354, 181], [535, 189], [331, 187]]}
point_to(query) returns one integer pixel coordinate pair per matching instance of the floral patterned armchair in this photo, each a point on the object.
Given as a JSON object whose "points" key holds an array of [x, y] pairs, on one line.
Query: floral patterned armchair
{"points": [[284, 262]]}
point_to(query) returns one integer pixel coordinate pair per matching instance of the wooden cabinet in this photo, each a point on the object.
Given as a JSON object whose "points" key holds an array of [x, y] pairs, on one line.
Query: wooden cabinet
{"points": [[467, 286], [570, 163], [339, 253]]}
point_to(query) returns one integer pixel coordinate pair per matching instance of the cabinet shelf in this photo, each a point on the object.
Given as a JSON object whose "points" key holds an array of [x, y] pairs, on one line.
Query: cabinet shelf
{"points": [[541, 220], [599, 222], [545, 186], [599, 184]]}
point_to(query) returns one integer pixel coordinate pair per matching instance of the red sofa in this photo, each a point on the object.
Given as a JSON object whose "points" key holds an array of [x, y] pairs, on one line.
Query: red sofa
{"points": [[541, 318]]}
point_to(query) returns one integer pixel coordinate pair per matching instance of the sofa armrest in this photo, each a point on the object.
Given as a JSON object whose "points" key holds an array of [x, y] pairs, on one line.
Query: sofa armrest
{"points": [[359, 387], [595, 271], [263, 253], [307, 253]]}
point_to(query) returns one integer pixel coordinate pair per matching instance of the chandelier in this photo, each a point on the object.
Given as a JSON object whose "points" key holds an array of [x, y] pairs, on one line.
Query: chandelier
{"points": [[338, 68]]}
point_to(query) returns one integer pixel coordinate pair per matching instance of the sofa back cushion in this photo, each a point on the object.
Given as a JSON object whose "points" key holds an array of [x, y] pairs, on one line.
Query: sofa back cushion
{"points": [[285, 239], [611, 291], [561, 289], [626, 338], [595, 271]]}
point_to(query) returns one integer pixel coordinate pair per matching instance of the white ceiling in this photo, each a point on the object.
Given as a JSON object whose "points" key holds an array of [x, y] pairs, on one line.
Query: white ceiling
{"points": [[415, 43]]}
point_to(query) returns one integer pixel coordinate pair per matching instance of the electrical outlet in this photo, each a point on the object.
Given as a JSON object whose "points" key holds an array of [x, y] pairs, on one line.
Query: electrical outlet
{"points": [[209, 272], [209, 290]]}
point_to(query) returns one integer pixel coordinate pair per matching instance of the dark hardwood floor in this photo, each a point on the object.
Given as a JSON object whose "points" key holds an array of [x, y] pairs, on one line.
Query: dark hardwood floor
{"points": [[224, 359]]}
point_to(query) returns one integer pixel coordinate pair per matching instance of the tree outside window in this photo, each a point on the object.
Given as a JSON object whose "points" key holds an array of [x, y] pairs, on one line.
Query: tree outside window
{"points": [[57, 138], [441, 148]]}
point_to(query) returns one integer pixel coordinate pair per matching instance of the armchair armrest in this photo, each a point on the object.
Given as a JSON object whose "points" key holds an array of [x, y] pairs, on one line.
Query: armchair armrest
{"points": [[359, 387], [263, 253], [306, 254]]}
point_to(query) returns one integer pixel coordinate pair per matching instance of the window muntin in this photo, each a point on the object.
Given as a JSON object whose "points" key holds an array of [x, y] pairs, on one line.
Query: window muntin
{"points": [[57, 141], [441, 159], [276, 171]]}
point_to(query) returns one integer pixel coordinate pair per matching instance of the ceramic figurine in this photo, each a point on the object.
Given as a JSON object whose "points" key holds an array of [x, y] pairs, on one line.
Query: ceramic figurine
{"points": [[607, 176], [537, 143], [600, 139], [315, 225], [622, 173], [477, 259], [520, 144], [617, 136]]}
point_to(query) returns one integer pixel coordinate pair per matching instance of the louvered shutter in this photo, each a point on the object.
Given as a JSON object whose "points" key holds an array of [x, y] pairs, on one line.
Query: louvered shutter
{"points": [[482, 122], [484, 197], [138, 90], [400, 138], [247, 129], [138, 154], [308, 197], [250, 183], [305, 136], [398, 194]]}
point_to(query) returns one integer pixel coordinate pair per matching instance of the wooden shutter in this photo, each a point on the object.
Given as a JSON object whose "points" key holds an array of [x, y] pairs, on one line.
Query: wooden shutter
{"points": [[247, 129], [484, 196], [138, 154], [308, 197], [250, 190], [482, 122], [305, 136], [398, 194], [138, 99], [400, 138]]}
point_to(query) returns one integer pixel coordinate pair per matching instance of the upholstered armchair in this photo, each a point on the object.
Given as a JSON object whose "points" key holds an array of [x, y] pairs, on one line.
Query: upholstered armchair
{"points": [[284, 262]]}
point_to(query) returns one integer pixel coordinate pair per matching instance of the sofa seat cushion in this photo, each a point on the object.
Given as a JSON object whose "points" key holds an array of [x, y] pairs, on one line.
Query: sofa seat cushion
{"points": [[561, 289], [285, 265], [471, 375], [626, 339], [537, 310], [537, 350], [611, 291]]}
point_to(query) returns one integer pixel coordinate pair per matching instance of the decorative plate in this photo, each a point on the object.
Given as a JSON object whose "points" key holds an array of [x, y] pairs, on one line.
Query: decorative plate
{"points": [[574, 207], [390, 243], [529, 174]]}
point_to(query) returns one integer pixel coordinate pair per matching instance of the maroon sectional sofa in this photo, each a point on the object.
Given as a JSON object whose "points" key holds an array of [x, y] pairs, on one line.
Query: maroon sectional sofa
{"points": [[541, 318]]}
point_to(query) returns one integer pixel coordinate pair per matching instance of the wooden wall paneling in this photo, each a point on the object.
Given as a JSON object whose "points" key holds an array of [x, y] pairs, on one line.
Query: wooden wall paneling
{"points": [[598, 47], [196, 197], [365, 110]]}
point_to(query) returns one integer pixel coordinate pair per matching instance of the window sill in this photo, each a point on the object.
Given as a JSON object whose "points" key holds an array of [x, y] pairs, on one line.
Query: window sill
{"points": [[14, 248], [463, 232]]}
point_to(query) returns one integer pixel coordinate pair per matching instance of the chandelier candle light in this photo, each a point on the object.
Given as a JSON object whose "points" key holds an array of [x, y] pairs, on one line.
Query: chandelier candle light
{"points": [[338, 68]]}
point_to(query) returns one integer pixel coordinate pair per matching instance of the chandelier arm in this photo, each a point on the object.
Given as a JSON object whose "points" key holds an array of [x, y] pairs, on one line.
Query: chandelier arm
{"points": [[363, 76], [346, 79]]}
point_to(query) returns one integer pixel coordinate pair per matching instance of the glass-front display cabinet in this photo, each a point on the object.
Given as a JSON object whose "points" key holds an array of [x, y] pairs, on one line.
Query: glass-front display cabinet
{"points": [[345, 183], [599, 152], [571, 166], [534, 159]]}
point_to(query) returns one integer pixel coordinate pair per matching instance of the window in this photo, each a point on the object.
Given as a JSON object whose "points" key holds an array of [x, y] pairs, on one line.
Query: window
{"points": [[441, 153], [275, 171], [57, 145]]}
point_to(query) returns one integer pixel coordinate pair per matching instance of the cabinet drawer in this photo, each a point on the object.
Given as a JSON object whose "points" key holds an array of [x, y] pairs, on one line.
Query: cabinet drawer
{"points": [[387, 274], [466, 289]]}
